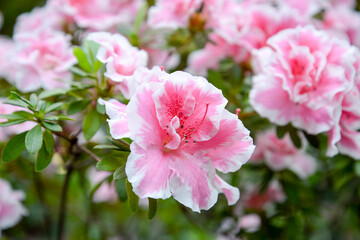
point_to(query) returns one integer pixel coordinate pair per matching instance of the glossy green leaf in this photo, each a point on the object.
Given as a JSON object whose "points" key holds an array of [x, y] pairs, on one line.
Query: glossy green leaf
{"points": [[109, 163], [91, 124], [52, 93], [43, 158], [152, 208], [13, 148], [133, 200], [119, 174], [120, 186], [82, 59], [77, 106], [34, 139], [52, 126]]}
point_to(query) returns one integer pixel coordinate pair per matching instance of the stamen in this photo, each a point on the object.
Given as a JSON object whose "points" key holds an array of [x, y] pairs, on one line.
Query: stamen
{"points": [[194, 141], [238, 110], [186, 141], [182, 126], [162, 68], [202, 120]]}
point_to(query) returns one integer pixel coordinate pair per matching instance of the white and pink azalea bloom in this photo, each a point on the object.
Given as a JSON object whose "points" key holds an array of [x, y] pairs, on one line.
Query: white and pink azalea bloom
{"points": [[7, 70], [342, 22], [172, 13], [11, 208], [279, 154], [7, 132], [98, 14], [120, 57], [345, 136], [250, 222], [39, 18], [242, 28], [307, 8], [257, 200], [181, 135], [106, 192], [302, 77], [42, 60]]}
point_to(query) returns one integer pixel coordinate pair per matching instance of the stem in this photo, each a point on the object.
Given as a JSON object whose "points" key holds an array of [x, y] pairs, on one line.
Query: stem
{"points": [[90, 153], [39, 187], [62, 210]]}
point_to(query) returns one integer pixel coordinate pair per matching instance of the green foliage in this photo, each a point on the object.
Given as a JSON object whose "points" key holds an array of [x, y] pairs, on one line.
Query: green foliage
{"points": [[14, 147], [133, 199], [91, 123], [34, 139]]}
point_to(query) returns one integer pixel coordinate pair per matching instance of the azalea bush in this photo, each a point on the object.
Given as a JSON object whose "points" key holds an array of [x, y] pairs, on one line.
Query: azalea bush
{"points": [[180, 119]]}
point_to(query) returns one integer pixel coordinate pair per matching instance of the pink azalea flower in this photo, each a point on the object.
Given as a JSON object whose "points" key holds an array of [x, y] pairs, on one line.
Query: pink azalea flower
{"points": [[7, 132], [38, 18], [279, 154], [345, 137], [343, 22], [99, 14], [250, 222], [302, 78], [241, 28], [106, 192], [42, 60], [120, 57], [7, 70], [260, 201], [172, 13], [11, 208], [181, 134]]}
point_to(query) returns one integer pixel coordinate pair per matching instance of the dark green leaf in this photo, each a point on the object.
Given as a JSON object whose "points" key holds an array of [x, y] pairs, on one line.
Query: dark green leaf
{"points": [[281, 131], [54, 107], [16, 103], [91, 124], [52, 93], [119, 174], [109, 163], [82, 59], [43, 158], [10, 123], [77, 106], [120, 186], [13, 148], [52, 126], [133, 200], [295, 138], [152, 208], [34, 139], [49, 141], [15, 96]]}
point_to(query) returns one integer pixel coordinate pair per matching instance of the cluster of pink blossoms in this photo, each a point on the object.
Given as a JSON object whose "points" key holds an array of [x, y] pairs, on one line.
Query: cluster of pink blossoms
{"points": [[181, 135], [279, 154], [11, 208]]}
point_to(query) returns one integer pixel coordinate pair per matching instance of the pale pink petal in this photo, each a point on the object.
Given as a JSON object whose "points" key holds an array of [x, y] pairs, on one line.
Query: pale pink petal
{"points": [[192, 181], [148, 171], [231, 193]]}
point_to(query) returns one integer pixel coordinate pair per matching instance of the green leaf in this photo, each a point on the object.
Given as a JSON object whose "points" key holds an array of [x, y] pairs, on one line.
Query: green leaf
{"points": [[13, 148], [109, 163], [54, 107], [121, 144], [77, 106], [49, 141], [34, 139], [281, 131], [91, 124], [119, 174], [11, 117], [152, 208], [10, 123], [24, 114], [120, 186], [140, 16], [52, 93], [82, 59], [33, 99], [106, 147], [357, 169], [16, 103], [295, 137], [57, 118], [133, 200], [100, 108], [43, 158], [15, 96], [52, 126], [78, 71]]}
